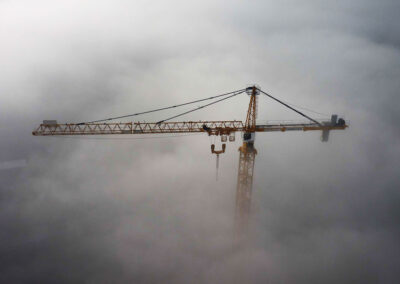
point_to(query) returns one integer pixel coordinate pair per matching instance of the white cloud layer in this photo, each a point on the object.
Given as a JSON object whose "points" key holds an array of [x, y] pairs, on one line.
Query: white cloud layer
{"points": [[150, 211]]}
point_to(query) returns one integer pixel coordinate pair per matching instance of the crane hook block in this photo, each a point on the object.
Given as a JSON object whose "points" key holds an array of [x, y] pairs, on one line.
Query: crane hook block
{"points": [[219, 151]]}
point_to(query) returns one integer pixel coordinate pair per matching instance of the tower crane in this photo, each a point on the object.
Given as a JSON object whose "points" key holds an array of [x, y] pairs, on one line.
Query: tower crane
{"points": [[226, 128]]}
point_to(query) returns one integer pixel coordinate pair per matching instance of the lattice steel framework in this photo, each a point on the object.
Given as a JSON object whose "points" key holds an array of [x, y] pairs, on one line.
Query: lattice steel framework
{"points": [[247, 155], [211, 127]]}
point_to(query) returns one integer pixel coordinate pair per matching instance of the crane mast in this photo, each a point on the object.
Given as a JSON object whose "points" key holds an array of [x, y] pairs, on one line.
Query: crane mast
{"points": [[247, 155], [247, 151]]}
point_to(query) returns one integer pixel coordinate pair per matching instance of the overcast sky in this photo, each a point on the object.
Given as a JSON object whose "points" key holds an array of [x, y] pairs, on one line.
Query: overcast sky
{"points": [[82, 210]]}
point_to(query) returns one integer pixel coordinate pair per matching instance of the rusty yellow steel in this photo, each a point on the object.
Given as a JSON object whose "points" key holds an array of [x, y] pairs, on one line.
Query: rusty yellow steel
{"points": [[209, 127], [250, 123], [247, 155], [217, 152]]}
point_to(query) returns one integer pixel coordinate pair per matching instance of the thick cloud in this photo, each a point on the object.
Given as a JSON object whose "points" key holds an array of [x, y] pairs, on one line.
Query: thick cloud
{"points": [[149, 210]]}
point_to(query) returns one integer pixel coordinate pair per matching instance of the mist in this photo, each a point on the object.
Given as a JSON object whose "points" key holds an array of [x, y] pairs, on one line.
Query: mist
{"points": [[149, 210]]}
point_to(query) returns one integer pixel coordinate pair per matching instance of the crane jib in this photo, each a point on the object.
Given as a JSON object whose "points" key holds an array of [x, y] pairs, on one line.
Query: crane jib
{"points": [[210, 127]]}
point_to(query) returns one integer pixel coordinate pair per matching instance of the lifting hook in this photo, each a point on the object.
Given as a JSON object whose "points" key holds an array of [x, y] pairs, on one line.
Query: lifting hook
{"points": [[217, 153]]}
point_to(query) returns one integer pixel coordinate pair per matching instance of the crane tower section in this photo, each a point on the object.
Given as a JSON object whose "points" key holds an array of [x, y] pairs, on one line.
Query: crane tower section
{"points": [[247, 154]]}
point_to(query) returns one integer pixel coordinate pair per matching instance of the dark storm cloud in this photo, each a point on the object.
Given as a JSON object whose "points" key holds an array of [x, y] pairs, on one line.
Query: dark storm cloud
{"points": [[150, 211]]}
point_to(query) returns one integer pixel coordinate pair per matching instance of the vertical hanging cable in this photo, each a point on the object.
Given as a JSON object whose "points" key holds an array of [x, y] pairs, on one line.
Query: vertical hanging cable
{"points": [[216, 177]]}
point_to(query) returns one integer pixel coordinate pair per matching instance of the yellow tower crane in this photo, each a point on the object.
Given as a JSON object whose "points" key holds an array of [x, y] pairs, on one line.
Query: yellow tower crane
{"points": [[247, 152]]}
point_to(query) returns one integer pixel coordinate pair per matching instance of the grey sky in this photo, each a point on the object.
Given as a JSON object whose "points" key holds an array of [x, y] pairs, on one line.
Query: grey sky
{"points": [[150, 211]]}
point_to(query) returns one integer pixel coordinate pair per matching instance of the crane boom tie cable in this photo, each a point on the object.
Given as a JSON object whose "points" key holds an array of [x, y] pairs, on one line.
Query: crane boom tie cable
{"points": [[200, 107], [286, 105], [159, 109]]}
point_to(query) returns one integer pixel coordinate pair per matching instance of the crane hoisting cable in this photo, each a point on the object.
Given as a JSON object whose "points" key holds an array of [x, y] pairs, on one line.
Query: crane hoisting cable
{"points": [[216, 175]]}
